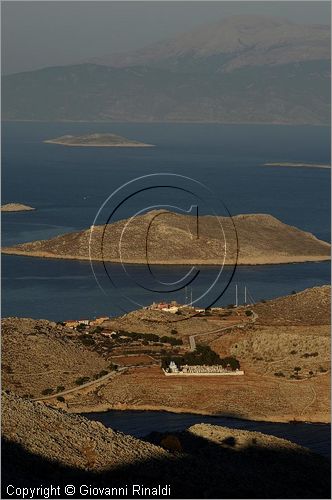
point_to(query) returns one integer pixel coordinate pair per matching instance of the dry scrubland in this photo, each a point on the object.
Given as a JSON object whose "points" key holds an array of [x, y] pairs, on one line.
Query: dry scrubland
{"points": [[285, 354], [44, 445], [162, 237], [164, 323], [44, 442], [39, 354]]}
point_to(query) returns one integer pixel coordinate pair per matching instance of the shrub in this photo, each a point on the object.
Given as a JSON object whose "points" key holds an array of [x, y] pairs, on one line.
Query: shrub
{"points": [[87, 340], [98, 329], [103, 373], [279, 374], [61, 399], [309, 355], [293, 352], [174, 332], [48, 391], [82, 380], [231, 362], [81, 327], [60, 388]]}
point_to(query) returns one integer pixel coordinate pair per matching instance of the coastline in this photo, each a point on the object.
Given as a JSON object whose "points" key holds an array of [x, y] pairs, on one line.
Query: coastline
{"points": [[242, 262], [297, 165], [287, 419]]}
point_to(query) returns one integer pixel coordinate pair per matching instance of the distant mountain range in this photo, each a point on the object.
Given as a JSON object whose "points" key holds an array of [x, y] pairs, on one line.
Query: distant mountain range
{"points": [[248, 69]]}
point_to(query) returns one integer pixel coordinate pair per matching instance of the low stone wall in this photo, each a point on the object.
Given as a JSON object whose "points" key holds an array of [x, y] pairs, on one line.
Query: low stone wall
{"points": [[203, 374]]}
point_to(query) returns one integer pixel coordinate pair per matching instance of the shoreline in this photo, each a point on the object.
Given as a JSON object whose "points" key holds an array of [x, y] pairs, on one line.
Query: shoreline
{"points": [[186, 122], [298, 165], [241, 262], [104, 408]]}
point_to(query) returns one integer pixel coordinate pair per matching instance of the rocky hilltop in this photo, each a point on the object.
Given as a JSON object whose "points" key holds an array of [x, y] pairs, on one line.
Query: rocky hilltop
{"points": [[15, 207], [97, 140], [47, 446], [162, 237], [312, 306]]}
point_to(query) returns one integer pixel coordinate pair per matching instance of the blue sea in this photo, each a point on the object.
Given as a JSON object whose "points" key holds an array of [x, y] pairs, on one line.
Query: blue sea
{"points": [[67, 186]]}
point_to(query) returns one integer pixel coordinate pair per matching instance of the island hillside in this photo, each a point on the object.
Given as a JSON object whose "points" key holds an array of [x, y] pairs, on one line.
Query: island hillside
{"points": [[101, 140], [15, 207], [162, 237]]}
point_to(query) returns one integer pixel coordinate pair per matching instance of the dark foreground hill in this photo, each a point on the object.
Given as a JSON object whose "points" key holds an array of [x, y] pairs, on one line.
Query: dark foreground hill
{"points": [[47, 446], [162, 237]]}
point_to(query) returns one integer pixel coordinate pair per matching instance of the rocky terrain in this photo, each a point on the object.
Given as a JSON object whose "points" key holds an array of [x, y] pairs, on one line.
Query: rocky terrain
{"points": [[284, 352], [162, 237], [244, 69], [15, 207], [40, 357], [47, 446], [309, 307], [100, 140]]}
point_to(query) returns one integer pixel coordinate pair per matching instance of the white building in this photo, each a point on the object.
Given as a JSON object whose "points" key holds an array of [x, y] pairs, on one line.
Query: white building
{"points": [[173, 368]]}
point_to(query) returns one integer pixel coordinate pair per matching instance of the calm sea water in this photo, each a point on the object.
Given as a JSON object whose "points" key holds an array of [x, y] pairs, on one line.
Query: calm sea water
{"points": [[68, 185], [140, 423]]}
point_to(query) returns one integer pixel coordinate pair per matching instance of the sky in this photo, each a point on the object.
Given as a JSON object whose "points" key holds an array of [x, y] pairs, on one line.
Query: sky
{"points": [[36, 34]]}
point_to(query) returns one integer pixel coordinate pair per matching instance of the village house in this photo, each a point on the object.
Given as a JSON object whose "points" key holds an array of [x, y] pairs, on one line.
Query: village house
{"points": [[71, 323], [99, 321]]}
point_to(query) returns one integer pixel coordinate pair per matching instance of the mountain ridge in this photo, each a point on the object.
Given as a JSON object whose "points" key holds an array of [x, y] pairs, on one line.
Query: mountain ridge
{"points": [[234, 35], [236, 73]]}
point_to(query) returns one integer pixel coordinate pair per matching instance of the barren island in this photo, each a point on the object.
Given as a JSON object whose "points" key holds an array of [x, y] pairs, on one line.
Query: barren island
{"points": [[97, 140], [163, 237], [15, 207]]}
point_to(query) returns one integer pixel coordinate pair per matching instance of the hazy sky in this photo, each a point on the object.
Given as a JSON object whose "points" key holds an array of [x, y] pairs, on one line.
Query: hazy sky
{"points": [[42, 33]]}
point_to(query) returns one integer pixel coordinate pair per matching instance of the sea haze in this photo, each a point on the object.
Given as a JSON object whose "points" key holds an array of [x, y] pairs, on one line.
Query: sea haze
{"points": [[68, 185]]}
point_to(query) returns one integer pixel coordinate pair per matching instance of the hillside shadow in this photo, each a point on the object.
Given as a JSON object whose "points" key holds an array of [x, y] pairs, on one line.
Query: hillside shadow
{"points": [[202, 470]]}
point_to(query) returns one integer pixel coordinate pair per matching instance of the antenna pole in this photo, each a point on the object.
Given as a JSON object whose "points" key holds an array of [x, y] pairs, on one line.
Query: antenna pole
{"points": [[245, 295]]}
